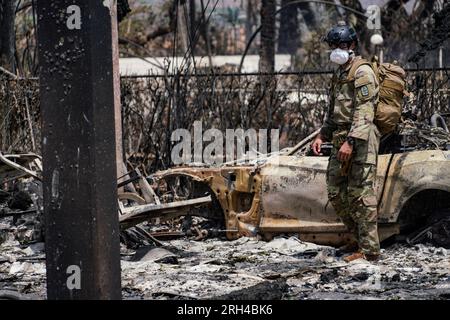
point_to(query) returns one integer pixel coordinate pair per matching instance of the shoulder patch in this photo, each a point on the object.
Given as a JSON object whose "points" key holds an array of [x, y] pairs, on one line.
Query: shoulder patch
{"points": [[364, 91], [362, 81]]}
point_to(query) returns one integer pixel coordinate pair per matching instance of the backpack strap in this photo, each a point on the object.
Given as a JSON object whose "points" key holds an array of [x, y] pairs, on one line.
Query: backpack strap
{"points": [[334, 82], [352, 72], [358, 63]]}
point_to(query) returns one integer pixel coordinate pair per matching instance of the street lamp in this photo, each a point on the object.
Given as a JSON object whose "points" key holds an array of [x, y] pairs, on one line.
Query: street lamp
{"points": [[377, 40]]}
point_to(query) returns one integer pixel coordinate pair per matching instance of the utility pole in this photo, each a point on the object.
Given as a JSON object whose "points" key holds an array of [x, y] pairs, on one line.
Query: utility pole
{"points": [[79, 149]]}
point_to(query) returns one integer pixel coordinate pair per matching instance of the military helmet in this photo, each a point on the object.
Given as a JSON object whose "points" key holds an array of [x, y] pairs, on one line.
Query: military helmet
{"points": [[342, 33]]}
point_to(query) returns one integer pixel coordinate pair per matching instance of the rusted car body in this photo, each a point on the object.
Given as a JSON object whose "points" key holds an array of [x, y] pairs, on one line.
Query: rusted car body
{"points": [[286, 193]]}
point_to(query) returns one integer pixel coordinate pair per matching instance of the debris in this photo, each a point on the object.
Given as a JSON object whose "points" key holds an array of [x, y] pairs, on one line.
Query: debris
{"points": [[37, 247], [291, 246], [341, 296], [173, 295], [266, 290], [437, 232], [10, 295], [158, 255], [329, 276], [5, 214], [133, 238], [163, 253], [20, 201], [168, 235], [137, 214], [19, 165], [284, 268], [326, 256], [27, 267]]}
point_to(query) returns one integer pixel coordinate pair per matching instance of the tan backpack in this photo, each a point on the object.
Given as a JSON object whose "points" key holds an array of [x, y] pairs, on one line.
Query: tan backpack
{"points": [[392, 85]]}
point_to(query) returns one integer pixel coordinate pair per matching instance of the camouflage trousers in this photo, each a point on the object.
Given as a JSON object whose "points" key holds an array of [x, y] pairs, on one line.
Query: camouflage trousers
{"points": [[353, 195]]}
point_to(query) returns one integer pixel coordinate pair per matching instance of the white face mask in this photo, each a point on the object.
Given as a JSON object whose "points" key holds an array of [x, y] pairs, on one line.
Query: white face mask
{"points": [[339, 56]]}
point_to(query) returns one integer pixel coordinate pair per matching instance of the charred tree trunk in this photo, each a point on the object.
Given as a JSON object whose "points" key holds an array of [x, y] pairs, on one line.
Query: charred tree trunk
{"points": [[251, 17], [192, 19], [267, 49], [427, 8], [308, 15], [7, 35], [267, 57], [289, 35], [204, 31], [183, 27], [193, 27], [7, 49], [123, 8], [439, 33], [360, 26], [162, 30]]}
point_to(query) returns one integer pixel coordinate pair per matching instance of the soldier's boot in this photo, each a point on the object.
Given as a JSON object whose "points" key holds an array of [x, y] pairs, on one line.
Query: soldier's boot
{"points": [[360, 255], [354, 256]]}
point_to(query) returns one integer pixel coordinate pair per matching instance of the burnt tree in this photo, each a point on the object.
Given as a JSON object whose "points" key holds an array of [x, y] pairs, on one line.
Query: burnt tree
{"points": [[289, 34], [7, 34], [267, 49]]}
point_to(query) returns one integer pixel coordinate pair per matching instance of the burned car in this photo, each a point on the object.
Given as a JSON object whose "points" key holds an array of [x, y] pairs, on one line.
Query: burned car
{"points": [[286, 192]]}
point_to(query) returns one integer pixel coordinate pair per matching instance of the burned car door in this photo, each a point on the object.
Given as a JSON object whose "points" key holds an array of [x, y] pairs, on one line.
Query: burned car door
{"points": [[294, 195]]}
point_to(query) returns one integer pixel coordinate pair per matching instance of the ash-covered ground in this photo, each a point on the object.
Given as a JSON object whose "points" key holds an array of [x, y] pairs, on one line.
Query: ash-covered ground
{"points": [[284, 268]]}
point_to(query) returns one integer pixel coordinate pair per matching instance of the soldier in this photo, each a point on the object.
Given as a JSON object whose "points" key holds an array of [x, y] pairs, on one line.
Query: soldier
{"points": [[349, 126]]}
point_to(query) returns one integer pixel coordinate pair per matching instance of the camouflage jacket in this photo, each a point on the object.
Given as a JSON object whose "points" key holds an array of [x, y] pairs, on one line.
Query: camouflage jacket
{"points": [[352, 106]]}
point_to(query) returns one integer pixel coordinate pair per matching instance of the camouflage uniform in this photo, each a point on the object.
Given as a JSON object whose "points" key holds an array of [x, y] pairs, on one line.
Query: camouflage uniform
{"points": [[351, 114]]}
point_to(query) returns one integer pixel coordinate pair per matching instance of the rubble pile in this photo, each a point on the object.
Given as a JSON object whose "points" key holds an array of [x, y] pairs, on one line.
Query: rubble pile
{"points": [[247, 268], [184, 257], [21, 216]]}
